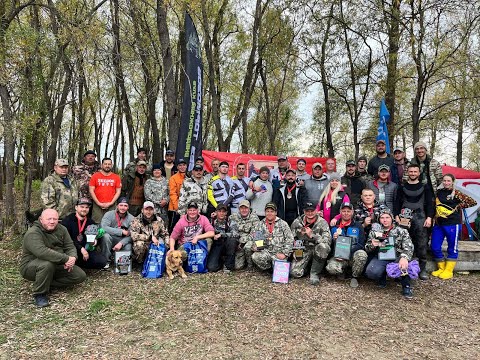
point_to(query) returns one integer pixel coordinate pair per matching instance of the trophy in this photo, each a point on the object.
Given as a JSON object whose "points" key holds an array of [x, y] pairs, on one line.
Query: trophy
{"points": [[259, 240], [123, 262], [298, 248], [405, 217]]}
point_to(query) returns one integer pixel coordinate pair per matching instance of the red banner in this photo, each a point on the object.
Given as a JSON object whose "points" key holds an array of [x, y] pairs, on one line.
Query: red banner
{"points": [[256, 161]]}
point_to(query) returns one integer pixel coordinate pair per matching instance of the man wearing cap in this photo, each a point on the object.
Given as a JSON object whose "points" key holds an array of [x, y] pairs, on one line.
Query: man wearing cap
{"points": [[385, 190], [312, 244], [301, 173], [147, 228], [116, 224], [83, 172], [362, 168], [168, 165], [77, 224], [156, 190], [354, 182], [174, 185], [316, 184], [241, 186], [277, 176], [430, 169], [49, 257], [141, 156], [225, 241], [221, 189], [105, 187], [194, 189], [347, 226], [276, 236], [59, 191], [329, 167], [400, 166], [246, 222], [417, 197], [382, 158], [190, 228], [290, 198], [133, 184]]}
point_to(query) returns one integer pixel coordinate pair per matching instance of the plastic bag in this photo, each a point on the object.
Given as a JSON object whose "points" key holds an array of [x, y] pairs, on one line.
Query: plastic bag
{"points": [[196, 256], [154, 265]]}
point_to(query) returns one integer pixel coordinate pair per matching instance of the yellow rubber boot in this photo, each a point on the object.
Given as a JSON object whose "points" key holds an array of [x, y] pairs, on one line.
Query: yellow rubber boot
{"points": [[448, 272], [441, 267]]}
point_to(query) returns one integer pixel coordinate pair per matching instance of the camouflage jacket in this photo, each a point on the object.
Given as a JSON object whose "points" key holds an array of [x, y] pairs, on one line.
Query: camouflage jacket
{"points": [[131, 167], [245, 226], [227, 228], [403, 242], [279, 241], [155, 191], [142, 230], [433, 175], [320, 231], [56, 195], [193, 190], [82, 174]]}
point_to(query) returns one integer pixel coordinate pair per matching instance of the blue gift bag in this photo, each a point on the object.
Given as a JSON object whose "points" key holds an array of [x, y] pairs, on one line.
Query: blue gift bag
{"points": [[196, 256], [154, 265]]}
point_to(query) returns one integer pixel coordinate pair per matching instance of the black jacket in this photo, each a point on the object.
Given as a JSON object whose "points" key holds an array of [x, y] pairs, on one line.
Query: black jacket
{"points": [[279, 200]]}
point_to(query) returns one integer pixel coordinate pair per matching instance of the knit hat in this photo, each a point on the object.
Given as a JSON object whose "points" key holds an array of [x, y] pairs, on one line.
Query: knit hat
{"points": [[420, 144], [156, 167], [363, 157], [335, 176]]}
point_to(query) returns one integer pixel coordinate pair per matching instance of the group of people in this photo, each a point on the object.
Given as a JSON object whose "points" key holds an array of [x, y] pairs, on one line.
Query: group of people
{"points": [[379, 214]]}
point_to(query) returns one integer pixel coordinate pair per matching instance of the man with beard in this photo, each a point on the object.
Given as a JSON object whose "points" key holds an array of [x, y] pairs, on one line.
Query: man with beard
{"points": [[83, 172], [301, 173], [105, 187], [316, 184], [430, 169], [168, 166], [382, 158], [418, 198], [277, 239], [399, 169], [241, 186], [362, 168], [76, 224], [353, 181], [277, 176], [314, 234], [147, 228], [220, 189], [194, 189], [175, 184], [116, 224], [133, 184], [246, 222], [289, 198], [385, 190]]}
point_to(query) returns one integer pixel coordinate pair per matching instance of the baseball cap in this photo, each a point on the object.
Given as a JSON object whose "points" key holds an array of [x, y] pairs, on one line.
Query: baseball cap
{"points": [[61, 162], [290, 170], [346, 204], [200, 158], [169, 152], [244, 203], [141, 162], [397, 149], [363, 157], [316, 165], [198, 167], [350, 162], [148, 204], [156, 167], [383, 167], [181, 161], [84, 201], [381, 141], [271, 205], [309, 206], [89, 152], [192, 204], [282, 157], [222, 207], [122, 200]]}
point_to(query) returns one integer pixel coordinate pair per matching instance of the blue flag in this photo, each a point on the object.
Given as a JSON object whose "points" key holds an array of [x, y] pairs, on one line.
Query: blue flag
{"points": [[382, 125]]}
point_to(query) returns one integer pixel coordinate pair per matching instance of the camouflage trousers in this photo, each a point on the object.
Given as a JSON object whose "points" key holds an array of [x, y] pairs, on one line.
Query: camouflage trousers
{"points": [[299, 267], [244, 256], [337, 267], [263, 259]]}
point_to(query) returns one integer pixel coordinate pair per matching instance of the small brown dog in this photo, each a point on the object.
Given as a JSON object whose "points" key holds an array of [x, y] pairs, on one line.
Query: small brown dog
{"points": [[174, 263]]}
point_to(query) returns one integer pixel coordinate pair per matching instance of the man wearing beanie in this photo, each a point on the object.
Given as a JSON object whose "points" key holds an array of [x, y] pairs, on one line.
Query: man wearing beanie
{"points": [[382, 158], [430, 169], [362, 168]]}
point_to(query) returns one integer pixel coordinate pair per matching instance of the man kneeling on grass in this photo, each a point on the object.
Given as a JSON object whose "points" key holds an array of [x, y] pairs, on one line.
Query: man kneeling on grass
{"points": [[49, 257], [272, 239]]}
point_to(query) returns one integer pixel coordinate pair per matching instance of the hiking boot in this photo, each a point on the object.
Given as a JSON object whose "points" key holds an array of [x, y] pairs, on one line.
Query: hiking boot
{"points": [[315, 270], [41, 300], [314, 279], [423, 275], [407, 292], [354, 283]]}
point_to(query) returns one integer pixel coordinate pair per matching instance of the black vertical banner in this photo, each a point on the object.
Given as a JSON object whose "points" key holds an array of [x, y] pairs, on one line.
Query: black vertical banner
{"points": [[189, 144]]}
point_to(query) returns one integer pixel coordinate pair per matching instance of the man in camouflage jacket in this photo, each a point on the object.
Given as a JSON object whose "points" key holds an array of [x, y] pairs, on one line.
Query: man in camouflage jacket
{"points": [[312, 233], [145, 229], [194, 189], [83, 172], [59, 191], [246, 222], [277, 239]]}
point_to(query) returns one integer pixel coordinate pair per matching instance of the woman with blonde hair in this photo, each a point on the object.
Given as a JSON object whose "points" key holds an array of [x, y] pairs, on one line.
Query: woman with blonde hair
{"points": [[332, 198], [448, 224]]}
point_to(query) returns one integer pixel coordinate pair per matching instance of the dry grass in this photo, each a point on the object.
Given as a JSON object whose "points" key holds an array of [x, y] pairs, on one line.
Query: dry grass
{"points": [[241, 316]]}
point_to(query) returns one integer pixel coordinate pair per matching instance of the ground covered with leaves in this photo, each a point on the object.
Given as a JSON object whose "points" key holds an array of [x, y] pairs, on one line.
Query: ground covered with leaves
{"points": [[236, 316]]}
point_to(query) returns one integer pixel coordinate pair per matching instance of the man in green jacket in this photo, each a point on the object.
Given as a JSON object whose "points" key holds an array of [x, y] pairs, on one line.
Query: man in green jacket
{"points": [[49, 257]]}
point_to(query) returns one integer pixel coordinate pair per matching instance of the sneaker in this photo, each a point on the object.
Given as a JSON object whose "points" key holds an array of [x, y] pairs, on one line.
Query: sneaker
{"points": [[107, 266], [353, 283], [41, 300], [226, 271], [407, 292]]}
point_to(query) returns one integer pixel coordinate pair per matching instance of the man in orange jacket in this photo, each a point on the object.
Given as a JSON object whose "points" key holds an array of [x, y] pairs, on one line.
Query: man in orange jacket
{"points": [[175, 184]]}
